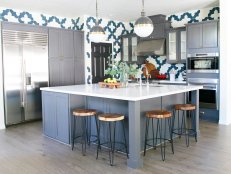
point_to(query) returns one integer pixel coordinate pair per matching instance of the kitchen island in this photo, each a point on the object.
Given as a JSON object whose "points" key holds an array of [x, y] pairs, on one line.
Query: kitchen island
{"points": [[133, 102]]}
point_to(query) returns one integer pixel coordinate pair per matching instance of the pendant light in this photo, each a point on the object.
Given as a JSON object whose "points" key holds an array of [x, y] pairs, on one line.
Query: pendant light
{"points": [[97, 33], [143, 25]]}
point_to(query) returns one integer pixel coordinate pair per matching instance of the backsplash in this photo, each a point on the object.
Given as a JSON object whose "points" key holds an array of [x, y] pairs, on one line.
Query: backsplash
{"points": [[113, 30]]}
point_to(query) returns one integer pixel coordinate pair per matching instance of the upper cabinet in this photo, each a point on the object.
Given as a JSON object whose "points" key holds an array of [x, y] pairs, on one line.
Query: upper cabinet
{"points": [[129, 48], [203, 37], [66, 57], [61, 43], [176, 45]]}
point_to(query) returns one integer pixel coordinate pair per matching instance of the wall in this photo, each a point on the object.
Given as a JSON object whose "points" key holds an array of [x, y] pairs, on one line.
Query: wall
{"points": [[2, 121], [113, 30], [18, 16], [225, 63]]}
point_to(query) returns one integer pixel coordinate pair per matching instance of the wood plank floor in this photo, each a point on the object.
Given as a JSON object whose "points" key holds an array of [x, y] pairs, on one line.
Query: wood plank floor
{"points": [[24, 150]]}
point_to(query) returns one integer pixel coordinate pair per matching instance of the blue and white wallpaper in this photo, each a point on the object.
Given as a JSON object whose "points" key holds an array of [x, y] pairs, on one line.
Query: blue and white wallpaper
{"points": [[113, 29]]}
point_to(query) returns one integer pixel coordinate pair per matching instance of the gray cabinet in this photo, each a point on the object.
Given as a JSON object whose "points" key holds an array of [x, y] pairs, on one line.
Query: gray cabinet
{"points": [[78, 44], [210, 34], [56, 116], [66, 57], [61, 43], [194, 36], [176, 45], [202, 37], [129, 48]]}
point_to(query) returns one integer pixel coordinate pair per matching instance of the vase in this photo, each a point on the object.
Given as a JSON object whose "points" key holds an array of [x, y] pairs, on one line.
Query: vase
{"points": [[124, 79]]}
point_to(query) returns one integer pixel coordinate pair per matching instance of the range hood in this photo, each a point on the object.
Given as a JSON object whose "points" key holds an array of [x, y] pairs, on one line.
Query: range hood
{"points": [[155, 43], [151, 47]]}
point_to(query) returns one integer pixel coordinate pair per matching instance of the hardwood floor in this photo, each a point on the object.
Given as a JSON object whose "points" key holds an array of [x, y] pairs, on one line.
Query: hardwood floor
{"points": [[24, 150]]}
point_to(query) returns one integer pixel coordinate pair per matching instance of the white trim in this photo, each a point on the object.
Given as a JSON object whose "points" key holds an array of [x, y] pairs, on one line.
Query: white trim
{"points": [[2, 113]]}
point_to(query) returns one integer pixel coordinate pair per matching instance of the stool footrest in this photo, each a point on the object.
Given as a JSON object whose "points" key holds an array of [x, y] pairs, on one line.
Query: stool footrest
{"points": [[184, 131]]}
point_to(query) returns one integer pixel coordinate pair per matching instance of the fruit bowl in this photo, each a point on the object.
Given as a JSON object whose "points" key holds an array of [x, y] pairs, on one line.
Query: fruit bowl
{"points": [[109, 85]]}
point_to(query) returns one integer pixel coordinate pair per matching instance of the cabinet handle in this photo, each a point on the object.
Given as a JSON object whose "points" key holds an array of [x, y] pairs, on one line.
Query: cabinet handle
{"points": [[94, 66]]}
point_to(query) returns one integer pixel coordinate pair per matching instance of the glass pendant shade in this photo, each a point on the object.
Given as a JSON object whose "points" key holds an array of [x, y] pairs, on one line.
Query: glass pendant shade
{"points": [[143, 26], [97, 34]]}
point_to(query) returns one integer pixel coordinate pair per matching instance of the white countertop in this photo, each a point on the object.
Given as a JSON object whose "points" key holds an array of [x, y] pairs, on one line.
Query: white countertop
{"points": [[132, 93], [170, 82]]}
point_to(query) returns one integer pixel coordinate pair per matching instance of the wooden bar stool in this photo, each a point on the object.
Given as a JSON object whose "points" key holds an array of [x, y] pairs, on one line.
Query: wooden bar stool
{"points": [[111, 119], [160, 116], [83, 114], [185, 128]]}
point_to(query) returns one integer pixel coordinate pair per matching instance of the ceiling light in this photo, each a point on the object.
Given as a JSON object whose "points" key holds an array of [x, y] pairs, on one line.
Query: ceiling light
{"points": [[97, 33], [143, 25]]}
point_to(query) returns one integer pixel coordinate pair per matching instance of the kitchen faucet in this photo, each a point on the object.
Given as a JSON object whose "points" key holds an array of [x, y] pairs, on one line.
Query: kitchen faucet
{"points": [[147, 75]]}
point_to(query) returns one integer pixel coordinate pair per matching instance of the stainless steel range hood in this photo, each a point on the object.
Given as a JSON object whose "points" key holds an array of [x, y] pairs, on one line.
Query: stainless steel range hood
{"points": [[151, 47]]}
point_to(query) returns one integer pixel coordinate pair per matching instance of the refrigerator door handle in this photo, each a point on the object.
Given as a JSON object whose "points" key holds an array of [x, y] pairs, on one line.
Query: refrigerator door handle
{"points": [[23, 84]]}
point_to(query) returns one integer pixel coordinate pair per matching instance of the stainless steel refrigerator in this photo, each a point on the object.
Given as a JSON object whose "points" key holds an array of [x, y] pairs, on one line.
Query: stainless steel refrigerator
{"points": [[25, 70]]}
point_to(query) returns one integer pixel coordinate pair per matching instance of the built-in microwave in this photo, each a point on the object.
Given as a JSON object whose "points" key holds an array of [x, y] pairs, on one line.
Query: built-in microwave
{"points": [[206, 62]]}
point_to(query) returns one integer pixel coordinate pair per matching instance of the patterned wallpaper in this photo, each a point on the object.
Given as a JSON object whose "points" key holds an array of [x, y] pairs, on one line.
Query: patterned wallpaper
{"points": [[113, 30], [19, 16]]}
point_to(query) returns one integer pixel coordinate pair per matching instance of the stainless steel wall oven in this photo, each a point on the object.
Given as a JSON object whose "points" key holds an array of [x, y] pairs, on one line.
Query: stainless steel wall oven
{"points": [[203, 63]]}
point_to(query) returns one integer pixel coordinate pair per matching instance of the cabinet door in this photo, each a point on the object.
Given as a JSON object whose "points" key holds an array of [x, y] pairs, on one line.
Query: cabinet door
{"points": [[79, 44], [210, 35], [49, 114], [133, 49], [67, 72], [67, 44], [194, 36], [54, 43], [62, 118], [172, 46], [182, 45], [125, 49], [54, 72], [79, 71]]}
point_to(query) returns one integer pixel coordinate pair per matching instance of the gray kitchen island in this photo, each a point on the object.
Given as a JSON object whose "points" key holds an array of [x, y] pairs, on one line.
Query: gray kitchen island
{"points": [[133, 102]]}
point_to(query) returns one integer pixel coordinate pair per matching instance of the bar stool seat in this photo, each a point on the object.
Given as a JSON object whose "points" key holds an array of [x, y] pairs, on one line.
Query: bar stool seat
{"points": [[111, 119], [159, 115], [185, 128], [185, 107], [84, 114]]}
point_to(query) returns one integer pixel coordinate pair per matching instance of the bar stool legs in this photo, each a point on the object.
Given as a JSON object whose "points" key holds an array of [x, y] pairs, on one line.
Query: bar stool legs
{"points": [[112, 123], [161, 117], [85, 136], [185, 128], [85, 115]]}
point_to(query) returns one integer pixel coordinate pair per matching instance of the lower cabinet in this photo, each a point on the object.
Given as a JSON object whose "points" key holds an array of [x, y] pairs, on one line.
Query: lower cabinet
{"points": [[56, 116]]}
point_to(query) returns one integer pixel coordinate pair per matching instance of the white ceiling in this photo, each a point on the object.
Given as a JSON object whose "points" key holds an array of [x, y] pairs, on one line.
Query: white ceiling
{"points": [[122, 10]]}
